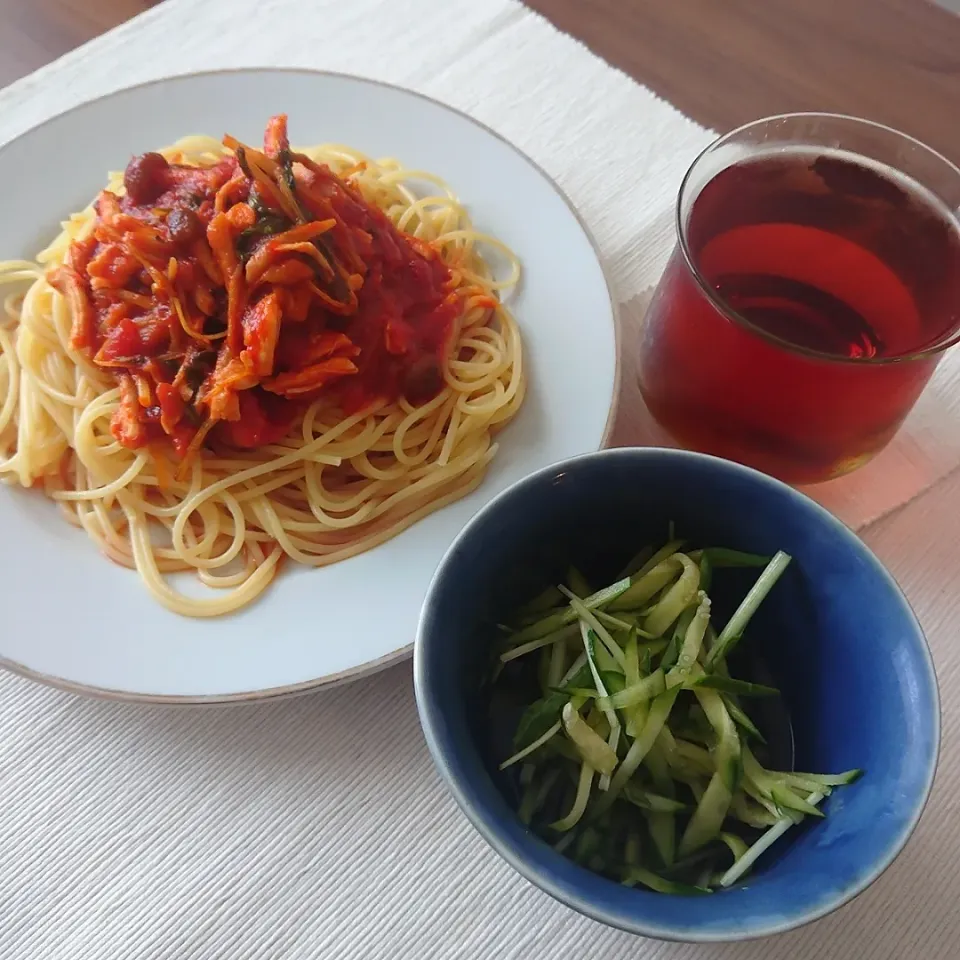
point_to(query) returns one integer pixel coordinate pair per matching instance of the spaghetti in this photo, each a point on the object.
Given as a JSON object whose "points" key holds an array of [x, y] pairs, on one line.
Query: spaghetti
{"points": [[236, 356]]}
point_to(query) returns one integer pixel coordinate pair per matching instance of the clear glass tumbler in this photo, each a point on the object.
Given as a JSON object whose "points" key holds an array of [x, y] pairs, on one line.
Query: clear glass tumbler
{"points": [[814, 288]]}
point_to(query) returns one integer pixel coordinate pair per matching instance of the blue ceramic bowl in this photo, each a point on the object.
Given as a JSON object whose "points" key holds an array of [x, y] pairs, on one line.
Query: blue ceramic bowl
{"points": [[838, 636]]}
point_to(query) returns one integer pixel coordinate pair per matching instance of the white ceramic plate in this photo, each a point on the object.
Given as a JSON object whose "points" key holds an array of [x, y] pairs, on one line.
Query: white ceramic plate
{"points": [[73, 618]]}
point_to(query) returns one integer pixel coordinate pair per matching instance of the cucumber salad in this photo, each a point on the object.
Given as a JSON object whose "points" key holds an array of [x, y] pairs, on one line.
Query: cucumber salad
{"points": [[638, 758]]}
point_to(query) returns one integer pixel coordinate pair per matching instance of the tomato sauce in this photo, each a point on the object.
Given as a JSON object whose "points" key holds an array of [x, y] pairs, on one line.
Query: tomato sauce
{"points": [[227, 298]]}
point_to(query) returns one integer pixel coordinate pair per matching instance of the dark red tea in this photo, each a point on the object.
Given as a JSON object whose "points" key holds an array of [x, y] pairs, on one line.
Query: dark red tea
{"points": [[823, 270]]}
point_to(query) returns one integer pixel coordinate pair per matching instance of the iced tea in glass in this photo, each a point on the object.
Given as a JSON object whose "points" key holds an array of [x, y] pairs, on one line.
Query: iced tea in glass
{"points": [[814, 288]]}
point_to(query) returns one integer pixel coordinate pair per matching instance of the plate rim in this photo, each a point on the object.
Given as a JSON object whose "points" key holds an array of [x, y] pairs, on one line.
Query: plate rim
{"points": [[405, 652]]}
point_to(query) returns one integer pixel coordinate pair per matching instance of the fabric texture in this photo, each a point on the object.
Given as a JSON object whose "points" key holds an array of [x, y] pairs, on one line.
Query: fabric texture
{"points": [[317, 827]]}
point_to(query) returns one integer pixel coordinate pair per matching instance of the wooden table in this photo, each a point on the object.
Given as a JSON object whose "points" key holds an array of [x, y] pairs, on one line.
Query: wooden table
{"points": [[722, 62]]}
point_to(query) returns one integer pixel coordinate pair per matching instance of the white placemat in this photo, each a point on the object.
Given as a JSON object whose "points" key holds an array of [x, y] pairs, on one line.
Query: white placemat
{"points": [[317, 827]]}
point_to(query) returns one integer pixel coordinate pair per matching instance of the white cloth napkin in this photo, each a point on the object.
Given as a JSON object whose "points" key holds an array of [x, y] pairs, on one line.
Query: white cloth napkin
{"points": [[317, 828]]}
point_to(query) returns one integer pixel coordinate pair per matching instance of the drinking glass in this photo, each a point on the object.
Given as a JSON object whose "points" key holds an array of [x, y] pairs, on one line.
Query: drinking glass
{"points": [[814, 287]]}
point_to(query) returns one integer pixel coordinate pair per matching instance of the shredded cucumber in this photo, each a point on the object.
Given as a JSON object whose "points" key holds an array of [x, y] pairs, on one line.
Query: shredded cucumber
{"points": [[591, 747], [527, 750], [742, 688], [747, 860], [555, 636], [634, 728], [707, 819], [580, 800], [589, 645], [586, 616], [735, 843], [692, 642], [612, 622], [657, 717], [645, 689], [706, 573], [676, 599], [655, 559], [559, 618], [647, 800], [662, 823], [655, 882], [733, 631], [648, 585], [741, 719], [823, 779]]}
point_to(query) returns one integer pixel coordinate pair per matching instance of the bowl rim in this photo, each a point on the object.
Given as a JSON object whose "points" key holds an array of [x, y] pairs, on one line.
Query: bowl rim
{"points": [[486, 823]]}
